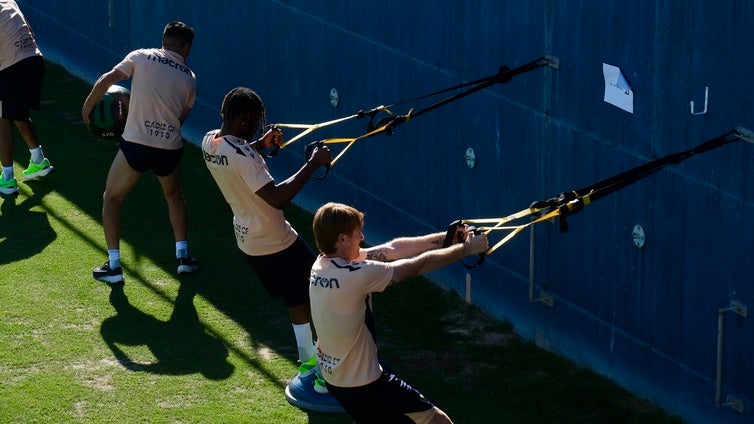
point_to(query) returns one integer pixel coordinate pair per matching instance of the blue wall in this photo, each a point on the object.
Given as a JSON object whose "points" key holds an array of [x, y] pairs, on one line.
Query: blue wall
{"points": [[645, 317]]}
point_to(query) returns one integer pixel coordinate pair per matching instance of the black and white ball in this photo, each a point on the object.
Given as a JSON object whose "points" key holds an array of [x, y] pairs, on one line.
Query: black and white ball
{"points": [[108, 117]]}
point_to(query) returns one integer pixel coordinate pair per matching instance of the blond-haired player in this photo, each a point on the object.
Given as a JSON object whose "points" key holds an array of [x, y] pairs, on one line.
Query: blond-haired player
{"points": [[341, 284]]}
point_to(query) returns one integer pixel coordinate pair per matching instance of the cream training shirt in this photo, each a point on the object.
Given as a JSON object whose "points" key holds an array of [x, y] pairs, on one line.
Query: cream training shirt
{"points": [[240, 171], [161, 87], [338, 290], [16, 39]]}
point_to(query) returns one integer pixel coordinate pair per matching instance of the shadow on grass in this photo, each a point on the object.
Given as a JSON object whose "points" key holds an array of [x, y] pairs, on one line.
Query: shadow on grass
{"points": [[22, 227], [180, 345]]}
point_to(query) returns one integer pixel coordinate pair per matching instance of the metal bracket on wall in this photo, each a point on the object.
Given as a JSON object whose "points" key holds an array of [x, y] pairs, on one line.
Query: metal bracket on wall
{"points": [[552, 61], [334, 98], [546, 298], [706, 98], [731, 401], [543, 297], [745, 134]]}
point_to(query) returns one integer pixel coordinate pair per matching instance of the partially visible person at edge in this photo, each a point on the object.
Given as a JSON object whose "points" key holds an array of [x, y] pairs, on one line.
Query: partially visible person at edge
{"points": [[278, 255], [342, 282], [163, 91], [22, 71]]}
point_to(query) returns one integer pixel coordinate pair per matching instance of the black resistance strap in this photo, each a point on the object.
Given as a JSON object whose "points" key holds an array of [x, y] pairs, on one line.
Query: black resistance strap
{"points": [[387, 124], [568, 203]]}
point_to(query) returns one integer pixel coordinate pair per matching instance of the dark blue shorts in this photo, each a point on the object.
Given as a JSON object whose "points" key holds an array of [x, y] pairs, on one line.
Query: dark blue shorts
{"points": [[286, 273], [141, 158], [21, 88], [387, 400]]}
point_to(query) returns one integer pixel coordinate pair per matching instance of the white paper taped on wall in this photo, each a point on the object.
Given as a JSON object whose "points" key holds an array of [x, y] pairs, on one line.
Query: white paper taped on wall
{"points": [[617, 90]]}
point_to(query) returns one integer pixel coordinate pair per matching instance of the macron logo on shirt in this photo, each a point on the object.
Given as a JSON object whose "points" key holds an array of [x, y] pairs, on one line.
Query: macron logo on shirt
{"points": [[328, 283], [216, 159], [171, 63]]}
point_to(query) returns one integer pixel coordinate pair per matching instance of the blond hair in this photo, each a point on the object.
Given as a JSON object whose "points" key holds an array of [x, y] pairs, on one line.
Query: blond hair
{"points": [[333, 219]]}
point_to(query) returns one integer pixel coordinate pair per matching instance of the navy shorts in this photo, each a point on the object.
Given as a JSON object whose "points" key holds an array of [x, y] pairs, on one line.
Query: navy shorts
{"points": [[141, 158], [386, 400], [21, 88], [286, 273]]}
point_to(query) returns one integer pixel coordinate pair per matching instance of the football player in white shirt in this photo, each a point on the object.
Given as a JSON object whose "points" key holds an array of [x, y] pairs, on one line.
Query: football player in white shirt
{"points": [[278, 255], [22, 71], [342, 281], [163, 91]]}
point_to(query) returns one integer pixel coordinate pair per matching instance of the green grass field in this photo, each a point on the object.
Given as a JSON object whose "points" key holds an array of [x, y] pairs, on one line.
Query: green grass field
{"points": [[212, 347]]}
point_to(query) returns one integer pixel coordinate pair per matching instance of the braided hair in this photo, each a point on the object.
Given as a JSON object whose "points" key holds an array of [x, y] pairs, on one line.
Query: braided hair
{"points": [[243, 100]]}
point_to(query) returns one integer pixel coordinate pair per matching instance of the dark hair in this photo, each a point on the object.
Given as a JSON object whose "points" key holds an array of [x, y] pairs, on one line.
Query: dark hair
{"points": [[177, 34], [333, 219], [243, 100]]}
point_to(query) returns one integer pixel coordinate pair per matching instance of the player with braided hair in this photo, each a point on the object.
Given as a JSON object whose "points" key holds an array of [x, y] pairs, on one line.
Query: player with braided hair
{"points": [[278, 255]]}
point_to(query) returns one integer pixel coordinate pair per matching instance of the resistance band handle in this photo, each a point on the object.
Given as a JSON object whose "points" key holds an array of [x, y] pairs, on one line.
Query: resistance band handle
{"points": [[451, 236], [308, 154], [479, 260], [274, 150]]}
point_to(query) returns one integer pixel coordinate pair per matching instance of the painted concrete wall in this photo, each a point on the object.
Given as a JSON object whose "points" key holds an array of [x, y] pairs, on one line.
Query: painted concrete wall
{"points": [[645, 317]]}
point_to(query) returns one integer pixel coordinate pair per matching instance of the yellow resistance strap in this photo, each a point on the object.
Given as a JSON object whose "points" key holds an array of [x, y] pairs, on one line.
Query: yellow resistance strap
{"points": [[351, 141], [500, 223]]}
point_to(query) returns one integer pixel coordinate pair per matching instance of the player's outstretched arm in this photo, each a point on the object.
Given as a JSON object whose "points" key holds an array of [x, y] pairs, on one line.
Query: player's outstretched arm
{"points": [[404, 247], [438, 258]]}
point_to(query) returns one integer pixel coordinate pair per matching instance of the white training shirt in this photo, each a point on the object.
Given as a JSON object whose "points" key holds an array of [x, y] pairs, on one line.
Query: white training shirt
{"points": [[161, 87], [338, 290], [240, 171], [16, 39]]}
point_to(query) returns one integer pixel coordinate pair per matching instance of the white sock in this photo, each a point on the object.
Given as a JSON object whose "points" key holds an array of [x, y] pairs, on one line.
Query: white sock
{"points": [[8, 173], [304, 341], [113, 255], [181, 249], [37, 155]]}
